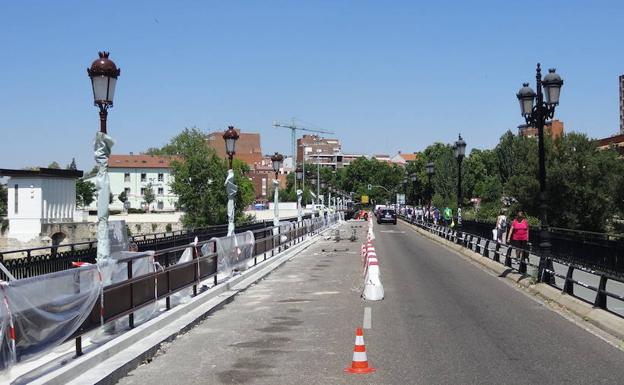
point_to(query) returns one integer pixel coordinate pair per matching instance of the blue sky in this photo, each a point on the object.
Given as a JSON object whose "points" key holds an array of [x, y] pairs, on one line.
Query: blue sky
{"points": [[385, 76]]}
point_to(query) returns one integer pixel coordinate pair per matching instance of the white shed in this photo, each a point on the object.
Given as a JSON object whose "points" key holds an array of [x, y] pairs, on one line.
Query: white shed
{"points": [[37, 197]]}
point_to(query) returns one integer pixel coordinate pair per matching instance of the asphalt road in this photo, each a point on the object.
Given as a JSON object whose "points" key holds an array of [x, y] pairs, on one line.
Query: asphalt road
{"points": [[444, 321]]}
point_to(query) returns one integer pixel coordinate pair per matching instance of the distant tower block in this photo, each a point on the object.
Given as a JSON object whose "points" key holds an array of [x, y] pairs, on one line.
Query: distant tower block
{"points": [[621, 104]]}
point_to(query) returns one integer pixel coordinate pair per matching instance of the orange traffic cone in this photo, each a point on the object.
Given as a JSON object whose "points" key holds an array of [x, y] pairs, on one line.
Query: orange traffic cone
{"points": [[359, 365]]}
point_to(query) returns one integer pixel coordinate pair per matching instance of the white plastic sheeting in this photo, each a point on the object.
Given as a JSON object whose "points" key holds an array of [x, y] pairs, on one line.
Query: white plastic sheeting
{"points": [[102, 149], [40, 313], [231, 188], [234, 252]]}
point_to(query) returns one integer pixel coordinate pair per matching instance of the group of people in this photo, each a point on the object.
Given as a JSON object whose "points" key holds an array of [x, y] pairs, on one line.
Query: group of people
{"points": [[432, 214], [517, 233]]}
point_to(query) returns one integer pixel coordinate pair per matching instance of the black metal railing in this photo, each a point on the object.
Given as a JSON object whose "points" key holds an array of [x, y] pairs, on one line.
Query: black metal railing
{"points": [[30, 262], [518, 259], [593, 251]]}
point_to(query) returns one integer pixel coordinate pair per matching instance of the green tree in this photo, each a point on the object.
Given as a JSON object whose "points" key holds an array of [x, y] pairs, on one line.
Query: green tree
{"points": [[54, 165], [85, 193], [198, 178], [148, 195], [123, 197]]}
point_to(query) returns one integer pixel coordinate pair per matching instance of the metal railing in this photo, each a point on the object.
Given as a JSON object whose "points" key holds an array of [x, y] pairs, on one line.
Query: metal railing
{"points": [[544, 271], [48, 259], [594, 251], [124, 298]]}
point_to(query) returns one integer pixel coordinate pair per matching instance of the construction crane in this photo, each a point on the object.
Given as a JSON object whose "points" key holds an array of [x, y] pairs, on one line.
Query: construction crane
{"points": [[294, 128]]}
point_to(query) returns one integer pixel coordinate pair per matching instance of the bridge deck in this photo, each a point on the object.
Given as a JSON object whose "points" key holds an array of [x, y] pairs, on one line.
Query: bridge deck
{"points": [[444, 321]]}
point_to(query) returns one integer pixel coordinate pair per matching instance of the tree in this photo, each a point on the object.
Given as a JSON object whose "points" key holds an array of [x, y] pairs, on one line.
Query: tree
{"points": [[123, 197], [198, 178], [54, 165], [148, 195], [72, 165], [85, 193]]}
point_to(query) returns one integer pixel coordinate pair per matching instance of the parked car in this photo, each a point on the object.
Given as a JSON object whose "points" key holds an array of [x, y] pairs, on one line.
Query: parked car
{"points": [[387, 215]]}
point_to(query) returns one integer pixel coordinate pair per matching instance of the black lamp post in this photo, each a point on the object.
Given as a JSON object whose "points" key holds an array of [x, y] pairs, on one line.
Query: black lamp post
{"points": [[536, 111], [430, 173], [414, 179], [460, 151], [230, 136], [404, 190], [277, 160], [103, 74]]}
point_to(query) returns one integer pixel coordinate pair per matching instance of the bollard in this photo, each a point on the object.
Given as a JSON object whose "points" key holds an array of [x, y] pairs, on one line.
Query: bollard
{"points": [[508, 256], [568, 286], [601, 296], [497, 253]]}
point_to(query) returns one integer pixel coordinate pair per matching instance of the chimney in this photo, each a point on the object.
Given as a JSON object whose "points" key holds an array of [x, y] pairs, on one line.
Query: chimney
{"points": [[131, 153]]}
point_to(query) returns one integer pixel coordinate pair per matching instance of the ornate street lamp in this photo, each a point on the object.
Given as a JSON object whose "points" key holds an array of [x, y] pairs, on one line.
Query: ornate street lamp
{"points": [[230, 136], [460, 151], [277, 160], [414, 179], [103, 73], [299, 173], [536, 111], [430, 172], [299, 177]]}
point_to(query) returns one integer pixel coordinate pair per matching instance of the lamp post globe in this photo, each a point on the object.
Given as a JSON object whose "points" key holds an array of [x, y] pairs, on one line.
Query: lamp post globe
{"points": [[277, 160], [552, 87], [526, 97], [299, 173], [103, 73], [230, 136]]}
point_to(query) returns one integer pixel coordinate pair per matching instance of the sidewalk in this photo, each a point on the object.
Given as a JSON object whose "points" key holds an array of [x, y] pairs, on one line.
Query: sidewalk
{"points": [[295, 327]]}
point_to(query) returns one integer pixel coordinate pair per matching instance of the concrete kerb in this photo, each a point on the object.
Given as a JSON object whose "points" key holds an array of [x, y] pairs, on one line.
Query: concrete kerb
{"points": [[602, 319], [109, 362]]}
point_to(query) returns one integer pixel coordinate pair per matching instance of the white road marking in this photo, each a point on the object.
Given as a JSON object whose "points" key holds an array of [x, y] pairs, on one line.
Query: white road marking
{"points": [[368, 318], [392, 231], [325, 292]]}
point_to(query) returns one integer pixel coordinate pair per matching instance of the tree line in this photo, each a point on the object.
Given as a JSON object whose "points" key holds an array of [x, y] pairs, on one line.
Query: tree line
{"points": [[584, 184]]}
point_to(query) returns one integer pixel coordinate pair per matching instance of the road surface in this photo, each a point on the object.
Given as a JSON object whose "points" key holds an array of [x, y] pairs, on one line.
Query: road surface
{"points": [[444, 321]]}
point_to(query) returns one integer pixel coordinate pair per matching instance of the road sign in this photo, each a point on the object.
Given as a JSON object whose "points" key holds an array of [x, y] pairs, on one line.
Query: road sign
{"points": [[364, 199], [400, 199]]}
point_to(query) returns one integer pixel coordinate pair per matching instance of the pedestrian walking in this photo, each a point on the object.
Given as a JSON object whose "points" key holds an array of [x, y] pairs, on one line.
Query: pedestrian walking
{"points": [[501, 227], [436, 216], [448, 216], [519, 234]]}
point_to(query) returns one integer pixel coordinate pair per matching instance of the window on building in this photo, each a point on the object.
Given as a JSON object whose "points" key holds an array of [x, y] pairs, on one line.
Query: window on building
{"points": [[16, 200], [161, 177], [142, 191], [161, 205], [143, 177], [127, 191], [126, 177], [161, 191]]}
